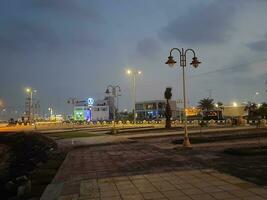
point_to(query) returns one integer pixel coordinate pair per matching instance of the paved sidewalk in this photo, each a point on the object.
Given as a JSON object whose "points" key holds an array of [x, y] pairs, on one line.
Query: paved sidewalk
{"points": [[176, 185], [145, 171]]}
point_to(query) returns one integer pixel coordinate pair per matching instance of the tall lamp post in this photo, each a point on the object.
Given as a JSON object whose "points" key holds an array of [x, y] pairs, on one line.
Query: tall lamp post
{"points": [[30, 92], [134, 73], [171, 62], [115, 89]]}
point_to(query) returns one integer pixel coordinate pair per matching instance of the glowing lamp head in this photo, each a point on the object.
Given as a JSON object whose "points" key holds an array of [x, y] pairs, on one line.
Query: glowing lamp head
{"points": [[28, 90], [171, 62], [129, 71], [195, 62], [139, 72], [234, 104]]}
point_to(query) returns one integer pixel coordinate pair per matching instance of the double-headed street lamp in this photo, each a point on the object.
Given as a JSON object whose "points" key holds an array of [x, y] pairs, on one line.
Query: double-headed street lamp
{"points": [[115, 90], [30, 91], [134, 73], [171, 62]]}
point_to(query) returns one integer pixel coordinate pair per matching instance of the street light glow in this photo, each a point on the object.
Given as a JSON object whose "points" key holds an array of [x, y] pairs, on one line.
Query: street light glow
{"points": [[234, 104], [128, 71], [28, 90]]}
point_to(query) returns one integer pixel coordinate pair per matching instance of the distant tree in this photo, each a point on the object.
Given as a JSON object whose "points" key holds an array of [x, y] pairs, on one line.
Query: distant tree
{"points": [[206, 104], [168, 113], [262, 110], [220, 105], [252, 109]]}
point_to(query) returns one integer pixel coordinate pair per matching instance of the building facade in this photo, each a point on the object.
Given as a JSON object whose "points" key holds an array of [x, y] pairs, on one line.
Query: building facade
{"points": [[154, 109], [91, 110], [234, 110]]}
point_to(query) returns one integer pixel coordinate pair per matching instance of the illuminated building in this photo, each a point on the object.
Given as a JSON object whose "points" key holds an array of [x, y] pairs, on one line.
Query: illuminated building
{"points": [[90, 110], [154, 109]]}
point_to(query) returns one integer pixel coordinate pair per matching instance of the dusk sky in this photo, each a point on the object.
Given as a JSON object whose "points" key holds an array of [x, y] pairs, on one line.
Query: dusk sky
{"points": [[75, 48]]}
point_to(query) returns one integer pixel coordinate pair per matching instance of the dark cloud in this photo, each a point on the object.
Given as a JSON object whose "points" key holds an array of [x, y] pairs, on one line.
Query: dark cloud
{"points": [[47, 25], [148, 48], [68, 8], [20, 35], [260, 45], [204, 23]]}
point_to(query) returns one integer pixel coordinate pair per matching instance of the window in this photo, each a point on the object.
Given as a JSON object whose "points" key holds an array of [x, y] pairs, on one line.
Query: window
{"points": [[150, 106]]}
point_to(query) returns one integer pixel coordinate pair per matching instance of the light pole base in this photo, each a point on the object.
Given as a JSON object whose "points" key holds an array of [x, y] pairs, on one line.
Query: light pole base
{"points": [[186, 143]]}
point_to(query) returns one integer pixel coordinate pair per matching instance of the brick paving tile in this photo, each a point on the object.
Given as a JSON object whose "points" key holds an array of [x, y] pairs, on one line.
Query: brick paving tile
{"points": [[175, 193], [180, 198], [218, 183], [253, 198], [152, 195], [109, 193], [222, 195], [137, 177], [259, 191], [111, 198], [146, 189], [202, 197], [184, 186], [164, 186], [129, 192], [228, 187], [69, 197], [192, 191], [211, 189], [241, 193], [70, 188], [144, 171], [132, 197]]}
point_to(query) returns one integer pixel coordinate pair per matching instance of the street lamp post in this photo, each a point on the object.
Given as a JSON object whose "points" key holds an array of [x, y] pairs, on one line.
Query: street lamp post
{"points": [[115, 89], [30, 91], [134, 73], [171, 62]]}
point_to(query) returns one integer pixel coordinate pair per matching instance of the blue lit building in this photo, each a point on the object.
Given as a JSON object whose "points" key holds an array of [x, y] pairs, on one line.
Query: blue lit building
{"points": [[154, 109]]}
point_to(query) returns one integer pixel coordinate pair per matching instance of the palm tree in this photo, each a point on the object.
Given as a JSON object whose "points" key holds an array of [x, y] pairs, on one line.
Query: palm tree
{"points": [[206, 104], [220, 105], [168, 113]]}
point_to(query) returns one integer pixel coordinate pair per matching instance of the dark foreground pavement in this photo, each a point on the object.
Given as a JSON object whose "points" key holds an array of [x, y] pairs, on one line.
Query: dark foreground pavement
{"points": [[147, 170]]}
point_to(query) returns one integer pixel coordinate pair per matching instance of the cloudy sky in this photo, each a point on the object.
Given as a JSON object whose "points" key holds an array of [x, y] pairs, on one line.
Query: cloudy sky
{"points": [[75, 48]]}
